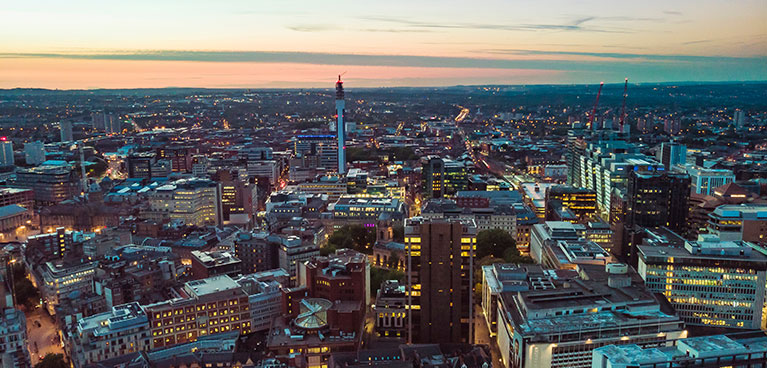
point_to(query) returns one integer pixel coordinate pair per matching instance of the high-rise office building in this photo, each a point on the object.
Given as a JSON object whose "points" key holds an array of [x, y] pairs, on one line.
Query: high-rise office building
{"points": [[658, 198], [581, 201], [51, 184], [34, 153], [739, 118], [324, 147], [653, 199], [112, 124], [140, 164], [66, 131], [439, 276], [602, 165], [442, 176], [6, 152], [433, 180], [189, 201], [672, 154], [709, 282], [238, 198]]}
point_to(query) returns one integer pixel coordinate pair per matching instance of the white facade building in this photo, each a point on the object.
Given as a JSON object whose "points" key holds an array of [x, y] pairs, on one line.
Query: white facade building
{"points": [[34, 153]]}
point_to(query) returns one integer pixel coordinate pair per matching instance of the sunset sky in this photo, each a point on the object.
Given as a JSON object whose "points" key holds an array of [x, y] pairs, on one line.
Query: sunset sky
{"points": [[284, 43]]}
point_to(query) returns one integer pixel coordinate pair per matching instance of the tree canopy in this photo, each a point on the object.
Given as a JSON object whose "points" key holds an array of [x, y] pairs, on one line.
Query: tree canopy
{"points": [[355, 237], [26, 293], [498, 243], [379, 275], [52, 361]]}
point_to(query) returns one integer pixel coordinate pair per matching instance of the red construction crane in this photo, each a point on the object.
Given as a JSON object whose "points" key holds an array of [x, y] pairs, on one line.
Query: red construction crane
{"points": [[623, 108], [594, 112]]}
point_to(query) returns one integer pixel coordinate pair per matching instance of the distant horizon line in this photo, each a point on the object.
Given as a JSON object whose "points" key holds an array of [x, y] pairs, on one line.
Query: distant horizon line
{"points": [[332, 86]]}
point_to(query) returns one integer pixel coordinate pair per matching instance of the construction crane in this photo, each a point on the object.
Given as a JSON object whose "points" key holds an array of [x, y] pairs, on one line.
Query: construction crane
{"points": [[623, 108], [596, 103]]}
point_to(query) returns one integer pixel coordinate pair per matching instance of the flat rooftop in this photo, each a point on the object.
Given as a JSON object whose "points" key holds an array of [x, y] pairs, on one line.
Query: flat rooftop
{"points": [[581, 294], [605, 320], [211, 285], [724, 253]]}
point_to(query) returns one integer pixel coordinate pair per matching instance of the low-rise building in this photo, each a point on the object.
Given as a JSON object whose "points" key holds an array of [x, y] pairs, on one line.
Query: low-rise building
{"points": [[351, 210], [22, 197], [747, 222], [550, 231], [736, 350], [202, 307], [292, 252], [256, 251], [390, 311], [13, 339], [343, 275], [123, 330], [63, 277], [264, 296], [207, 264], [502, 278]]}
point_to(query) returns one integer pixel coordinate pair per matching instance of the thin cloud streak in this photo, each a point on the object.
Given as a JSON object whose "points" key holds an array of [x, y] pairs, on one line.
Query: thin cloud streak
{"points": [[578, 24], [618, 55], [402, 60]]}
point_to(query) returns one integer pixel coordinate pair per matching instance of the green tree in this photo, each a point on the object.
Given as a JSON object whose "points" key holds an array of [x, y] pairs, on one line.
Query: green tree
{"points": [[379, 275], [398, 234], [511, 255], [393, 261], [52, 361], [26, 293], [327, 250], [494, 242], [98, 169], [355, 237]]}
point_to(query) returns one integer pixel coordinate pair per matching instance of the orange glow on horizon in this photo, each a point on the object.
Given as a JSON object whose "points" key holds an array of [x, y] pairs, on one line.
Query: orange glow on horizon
{"points": [[90, 74]]}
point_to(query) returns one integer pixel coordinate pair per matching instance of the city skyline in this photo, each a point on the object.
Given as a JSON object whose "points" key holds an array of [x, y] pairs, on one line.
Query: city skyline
{"points": [[300, 44]]}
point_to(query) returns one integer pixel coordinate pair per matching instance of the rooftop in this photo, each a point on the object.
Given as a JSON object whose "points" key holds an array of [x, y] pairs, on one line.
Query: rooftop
{"points": [[211, 285], [215, 259], [11, 210], [745, 211], [714, 251], [686, 350]]}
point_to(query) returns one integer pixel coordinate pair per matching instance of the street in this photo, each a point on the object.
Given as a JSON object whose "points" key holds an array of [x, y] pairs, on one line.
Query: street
{"points": [[44, 339], [482, 336]]}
